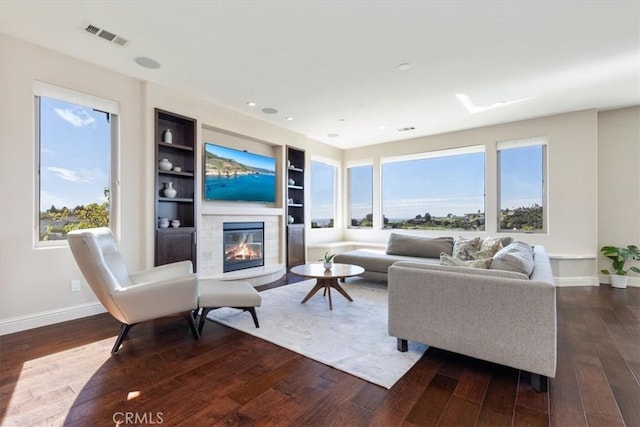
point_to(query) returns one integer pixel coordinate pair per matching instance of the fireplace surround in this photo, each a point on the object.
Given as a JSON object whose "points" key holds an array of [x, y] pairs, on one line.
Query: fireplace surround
{"points": [[243, 245]]}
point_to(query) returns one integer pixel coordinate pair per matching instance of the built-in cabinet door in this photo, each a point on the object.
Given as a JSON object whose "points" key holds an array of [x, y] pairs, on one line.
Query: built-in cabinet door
{"points": [[295, 245], [175, 245]]}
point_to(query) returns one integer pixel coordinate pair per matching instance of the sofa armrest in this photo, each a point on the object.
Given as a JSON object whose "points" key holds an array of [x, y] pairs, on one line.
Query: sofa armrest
{"points": [[500, 319]]}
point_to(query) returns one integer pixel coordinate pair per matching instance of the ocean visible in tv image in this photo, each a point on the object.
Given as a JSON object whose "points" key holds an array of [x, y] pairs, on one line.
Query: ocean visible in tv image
{"points": [[236, 175]]}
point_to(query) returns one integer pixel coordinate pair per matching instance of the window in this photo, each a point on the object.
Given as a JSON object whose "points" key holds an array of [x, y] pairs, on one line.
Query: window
{"points": [[521, 181], [75, 136], [441, 190], [323, 194], [361, 196]]}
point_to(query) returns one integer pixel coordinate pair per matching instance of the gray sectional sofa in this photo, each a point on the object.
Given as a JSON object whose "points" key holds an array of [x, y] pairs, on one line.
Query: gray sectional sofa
{"points": [[501, 316]]}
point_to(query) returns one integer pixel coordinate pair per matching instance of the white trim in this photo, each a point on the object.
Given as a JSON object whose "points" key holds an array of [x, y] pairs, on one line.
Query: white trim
{"points": [[435, 154], [520, 143], [49, 317], [74, 97], [358, 163], [576, 281], [572, 256], [633, 281]]}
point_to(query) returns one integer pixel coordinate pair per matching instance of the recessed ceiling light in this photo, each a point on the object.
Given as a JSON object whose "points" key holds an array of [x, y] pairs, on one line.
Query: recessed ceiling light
{"points": [[404, 66], [147, 62], [251, 104], [269, 110], [289, 118], [333, 135], [382, 128]]}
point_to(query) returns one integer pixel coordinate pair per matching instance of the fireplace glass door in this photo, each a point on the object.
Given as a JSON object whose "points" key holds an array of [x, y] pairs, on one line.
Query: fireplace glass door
{"points": [[243, 245]]}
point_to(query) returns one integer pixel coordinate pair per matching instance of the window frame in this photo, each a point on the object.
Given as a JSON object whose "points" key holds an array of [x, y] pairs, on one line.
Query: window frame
{"points": [[349, 166], [42, 89], [336, 185], [445, 152], [522, 143]]}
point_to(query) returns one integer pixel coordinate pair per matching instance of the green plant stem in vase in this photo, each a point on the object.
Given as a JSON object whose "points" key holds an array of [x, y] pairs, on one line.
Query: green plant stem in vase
{"points": [[328, 260]]}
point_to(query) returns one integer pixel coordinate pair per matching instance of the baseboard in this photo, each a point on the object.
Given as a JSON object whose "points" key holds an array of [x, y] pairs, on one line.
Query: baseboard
{"points": [[633, 281], [49, 317], [576, 281]]}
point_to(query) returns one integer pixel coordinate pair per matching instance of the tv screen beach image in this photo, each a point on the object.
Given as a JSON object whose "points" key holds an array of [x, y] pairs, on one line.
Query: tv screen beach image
{"points": [[235, 175]]}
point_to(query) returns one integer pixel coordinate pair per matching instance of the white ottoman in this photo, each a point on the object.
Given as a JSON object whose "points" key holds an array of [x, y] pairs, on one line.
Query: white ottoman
{"points": [[213, 293]]}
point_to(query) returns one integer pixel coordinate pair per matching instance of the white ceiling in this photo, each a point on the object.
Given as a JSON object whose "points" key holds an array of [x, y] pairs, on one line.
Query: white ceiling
{"points": [[323, 61]]}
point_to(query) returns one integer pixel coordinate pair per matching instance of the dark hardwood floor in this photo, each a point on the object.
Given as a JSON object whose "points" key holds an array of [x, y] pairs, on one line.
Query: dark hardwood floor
{"points": [[64, 375]]}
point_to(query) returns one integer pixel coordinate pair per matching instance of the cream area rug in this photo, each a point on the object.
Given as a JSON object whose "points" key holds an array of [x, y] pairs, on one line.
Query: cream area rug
{"points": [[353, 337]]}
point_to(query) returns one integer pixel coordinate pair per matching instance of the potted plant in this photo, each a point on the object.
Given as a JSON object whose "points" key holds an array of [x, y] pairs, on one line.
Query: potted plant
{"points": [[619, 256], [328, 260]]}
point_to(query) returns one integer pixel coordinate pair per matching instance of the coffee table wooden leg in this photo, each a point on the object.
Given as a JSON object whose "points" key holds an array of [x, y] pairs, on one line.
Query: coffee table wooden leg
{"points": [[340, 289], [319, 285]]}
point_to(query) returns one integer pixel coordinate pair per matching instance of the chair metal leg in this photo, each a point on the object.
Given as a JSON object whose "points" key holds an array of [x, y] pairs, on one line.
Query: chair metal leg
{"points": [[203, 317], [192, 325], [252, 310], [124, 330], [403, 345]]}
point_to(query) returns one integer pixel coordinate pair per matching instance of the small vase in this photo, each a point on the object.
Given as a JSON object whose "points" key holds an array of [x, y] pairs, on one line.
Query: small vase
{"points": [[165, 165], [169, 191], [290, 219], [163, 222], [291, 181], [328, 265], [167, 136]]}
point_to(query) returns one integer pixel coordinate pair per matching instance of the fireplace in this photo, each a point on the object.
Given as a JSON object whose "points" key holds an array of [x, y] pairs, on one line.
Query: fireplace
{"points": [[243, 245]]}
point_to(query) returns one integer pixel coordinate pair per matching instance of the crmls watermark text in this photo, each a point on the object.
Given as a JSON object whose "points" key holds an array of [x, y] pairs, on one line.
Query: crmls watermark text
{"points": [[136, 418]]}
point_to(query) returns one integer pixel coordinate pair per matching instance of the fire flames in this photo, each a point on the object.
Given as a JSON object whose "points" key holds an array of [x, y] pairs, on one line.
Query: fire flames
{"points": [[243, 251]]}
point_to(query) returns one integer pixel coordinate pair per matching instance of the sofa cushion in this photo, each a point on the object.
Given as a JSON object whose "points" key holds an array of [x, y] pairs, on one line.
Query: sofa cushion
{"points": [[473, 263], [517, 256], [464, 249], [376, 261], [417, 246]]}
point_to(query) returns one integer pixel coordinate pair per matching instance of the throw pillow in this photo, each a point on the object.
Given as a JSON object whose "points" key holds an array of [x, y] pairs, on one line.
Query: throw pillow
{"points": [[488, 248], [425, 247], [465, 249], [517, 256], [506, 241], [474, 263]]}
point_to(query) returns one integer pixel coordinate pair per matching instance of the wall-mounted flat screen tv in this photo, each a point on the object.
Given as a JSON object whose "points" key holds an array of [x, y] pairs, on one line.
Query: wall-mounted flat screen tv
{"points": [[236, 175]]}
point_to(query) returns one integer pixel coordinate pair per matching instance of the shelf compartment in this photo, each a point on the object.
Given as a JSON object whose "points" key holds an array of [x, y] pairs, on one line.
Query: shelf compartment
{"points": [[175, 146], [176, 199], [181, 173]]}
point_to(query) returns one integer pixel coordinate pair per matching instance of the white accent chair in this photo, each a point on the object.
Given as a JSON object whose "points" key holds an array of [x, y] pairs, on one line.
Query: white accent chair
{"points": [[133, 297]]}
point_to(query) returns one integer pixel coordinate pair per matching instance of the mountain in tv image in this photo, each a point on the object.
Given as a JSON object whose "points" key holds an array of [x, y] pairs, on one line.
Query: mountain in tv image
{"points": [[235, 175]]}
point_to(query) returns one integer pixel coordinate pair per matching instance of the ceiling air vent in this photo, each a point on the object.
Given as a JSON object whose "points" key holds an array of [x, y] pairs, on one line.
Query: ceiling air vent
{"points": [[408, 128], [107, 35], [91, 29]]}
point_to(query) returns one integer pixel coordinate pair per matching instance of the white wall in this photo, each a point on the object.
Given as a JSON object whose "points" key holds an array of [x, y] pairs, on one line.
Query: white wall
{"points": [[572, 162], [572, 180], [619, 183], [36, 281]]}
